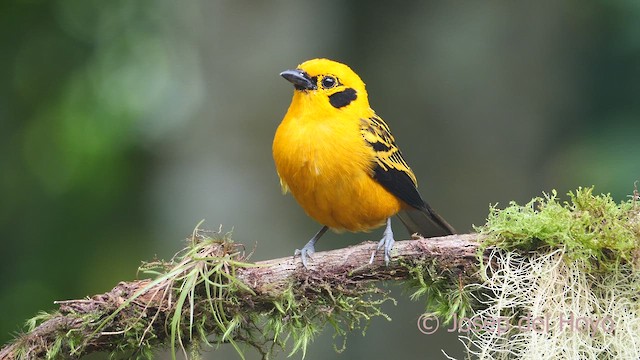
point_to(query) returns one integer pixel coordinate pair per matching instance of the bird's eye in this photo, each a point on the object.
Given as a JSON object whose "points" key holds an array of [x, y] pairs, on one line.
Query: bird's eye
{"points": [[328, 82]]}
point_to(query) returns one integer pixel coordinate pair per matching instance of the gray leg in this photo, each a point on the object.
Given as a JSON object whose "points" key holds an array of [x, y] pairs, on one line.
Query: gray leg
{"points": [[309, 249], [386, 242]]}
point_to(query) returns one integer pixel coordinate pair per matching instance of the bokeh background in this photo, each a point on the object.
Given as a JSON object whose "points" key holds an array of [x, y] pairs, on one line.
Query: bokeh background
{"points": [[123, 124]]}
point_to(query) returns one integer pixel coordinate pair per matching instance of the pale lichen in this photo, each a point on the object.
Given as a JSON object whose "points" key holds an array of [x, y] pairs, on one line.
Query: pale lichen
{"points": [[560, 281]]}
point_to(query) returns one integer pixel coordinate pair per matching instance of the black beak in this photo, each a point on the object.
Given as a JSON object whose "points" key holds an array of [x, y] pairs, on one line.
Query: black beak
{"points": [[299, 79]]}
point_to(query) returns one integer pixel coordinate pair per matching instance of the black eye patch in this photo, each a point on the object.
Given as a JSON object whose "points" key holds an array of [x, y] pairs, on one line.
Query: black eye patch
{"points": [[343, 98]]}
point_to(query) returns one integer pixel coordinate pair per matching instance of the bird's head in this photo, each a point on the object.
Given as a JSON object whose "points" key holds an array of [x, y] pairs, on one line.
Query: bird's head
{"points": [[327, 84]]}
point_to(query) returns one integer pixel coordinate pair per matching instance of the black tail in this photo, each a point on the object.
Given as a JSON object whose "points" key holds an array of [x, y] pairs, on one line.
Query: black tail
{"points": [[425, 222]]}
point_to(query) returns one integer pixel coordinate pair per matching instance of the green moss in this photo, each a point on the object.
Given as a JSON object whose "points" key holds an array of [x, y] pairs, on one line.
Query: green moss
{"points": [[587, 226], [32, 323], [207, 309], [444, 293], [301, 311]]}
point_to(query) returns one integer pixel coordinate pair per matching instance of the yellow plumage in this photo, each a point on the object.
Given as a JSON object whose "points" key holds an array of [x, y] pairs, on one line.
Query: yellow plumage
{"points": [[336, 156]]}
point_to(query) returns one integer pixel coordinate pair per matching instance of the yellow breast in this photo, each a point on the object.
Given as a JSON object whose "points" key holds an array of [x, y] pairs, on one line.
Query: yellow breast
{"points": [[327, 166]]}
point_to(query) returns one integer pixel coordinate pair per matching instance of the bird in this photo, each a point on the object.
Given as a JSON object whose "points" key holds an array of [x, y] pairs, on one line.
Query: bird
{"points": [[338, 159]]}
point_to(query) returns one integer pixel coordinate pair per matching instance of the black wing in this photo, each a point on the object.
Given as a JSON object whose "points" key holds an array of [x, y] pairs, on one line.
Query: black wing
{"points": [[393, 172], [390, 169]]}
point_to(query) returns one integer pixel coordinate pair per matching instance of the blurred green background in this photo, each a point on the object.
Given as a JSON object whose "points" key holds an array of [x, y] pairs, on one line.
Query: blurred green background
{"points": [[123, 124]]}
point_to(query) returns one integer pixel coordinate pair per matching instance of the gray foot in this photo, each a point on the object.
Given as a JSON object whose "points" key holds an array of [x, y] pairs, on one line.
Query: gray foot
{"points": [[306, 252], [386, 242], [309, 248]]}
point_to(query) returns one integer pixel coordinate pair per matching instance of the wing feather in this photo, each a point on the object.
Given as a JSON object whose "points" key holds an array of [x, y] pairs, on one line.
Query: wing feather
{"points": [[393, 172], [390, 168]]}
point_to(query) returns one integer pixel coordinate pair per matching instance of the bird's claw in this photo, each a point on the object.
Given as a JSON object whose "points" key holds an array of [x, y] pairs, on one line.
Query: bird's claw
{"points": [[386, 242], [306, 252], [309, 249]]}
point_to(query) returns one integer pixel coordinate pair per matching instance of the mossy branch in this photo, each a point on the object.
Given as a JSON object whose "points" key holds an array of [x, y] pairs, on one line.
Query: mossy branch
{"points": [[277, 298], [548, 260]]}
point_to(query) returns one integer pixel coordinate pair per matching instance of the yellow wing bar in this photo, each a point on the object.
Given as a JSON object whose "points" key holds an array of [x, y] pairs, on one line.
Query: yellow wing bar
{"points": [[376, 132]]}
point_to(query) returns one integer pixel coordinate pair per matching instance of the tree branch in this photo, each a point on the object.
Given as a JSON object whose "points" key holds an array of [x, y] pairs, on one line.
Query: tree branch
{"points": [[454, 255]]}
